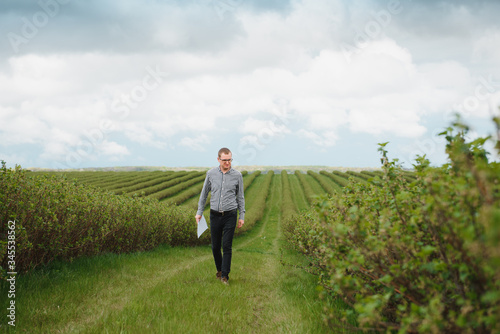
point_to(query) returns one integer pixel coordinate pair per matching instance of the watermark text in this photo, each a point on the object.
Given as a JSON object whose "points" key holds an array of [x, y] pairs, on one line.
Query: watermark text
{"points": [[11, 274]]}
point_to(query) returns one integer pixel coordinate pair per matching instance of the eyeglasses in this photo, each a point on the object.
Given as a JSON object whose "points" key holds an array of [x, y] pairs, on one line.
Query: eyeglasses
{"points": [[226, 160]]}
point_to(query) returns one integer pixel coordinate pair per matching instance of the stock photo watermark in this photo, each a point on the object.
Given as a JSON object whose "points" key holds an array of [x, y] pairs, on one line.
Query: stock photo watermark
{"points": [[120, 110], [483, 91], [248, 149], [11, 274], [31, 26], [372, 29], [224, 7]]}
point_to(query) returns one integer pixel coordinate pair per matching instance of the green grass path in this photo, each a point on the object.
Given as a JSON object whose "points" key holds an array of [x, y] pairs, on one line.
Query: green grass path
{"points": [[174, 290]]}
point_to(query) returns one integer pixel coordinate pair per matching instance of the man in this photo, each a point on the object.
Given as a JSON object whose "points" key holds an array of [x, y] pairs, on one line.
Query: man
{"points": [[226, 185]]}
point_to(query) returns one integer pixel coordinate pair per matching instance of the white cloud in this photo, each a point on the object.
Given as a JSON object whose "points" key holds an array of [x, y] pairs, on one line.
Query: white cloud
{"points": [[23, 128], [321, 140], [380, 91], [13, 159], [260, 127], [232, 71], [112, 149], [196, 143], [142, 134], [487, 49], [376, 121]]}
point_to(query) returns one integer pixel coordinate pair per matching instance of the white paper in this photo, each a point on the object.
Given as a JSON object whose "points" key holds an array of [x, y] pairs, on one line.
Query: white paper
{"points": [[202, 226]]}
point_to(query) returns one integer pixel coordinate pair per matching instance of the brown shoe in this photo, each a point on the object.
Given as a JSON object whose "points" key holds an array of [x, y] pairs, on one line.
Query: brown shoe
{"points": [[224, 281], [218, 275]]}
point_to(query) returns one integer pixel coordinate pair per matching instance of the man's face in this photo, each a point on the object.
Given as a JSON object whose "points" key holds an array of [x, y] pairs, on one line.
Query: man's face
{"points": [[225, 161]]}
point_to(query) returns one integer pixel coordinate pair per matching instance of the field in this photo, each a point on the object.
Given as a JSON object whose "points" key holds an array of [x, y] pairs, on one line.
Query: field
{"points": [[321, 251], [170, 289]]}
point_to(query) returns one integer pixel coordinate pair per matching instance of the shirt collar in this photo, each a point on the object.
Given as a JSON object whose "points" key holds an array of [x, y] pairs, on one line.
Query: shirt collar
{"points": [[229, 171]]}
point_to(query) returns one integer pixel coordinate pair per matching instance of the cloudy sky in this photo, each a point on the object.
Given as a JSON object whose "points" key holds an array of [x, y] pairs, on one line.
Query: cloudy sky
{"points": [[99, 83]]}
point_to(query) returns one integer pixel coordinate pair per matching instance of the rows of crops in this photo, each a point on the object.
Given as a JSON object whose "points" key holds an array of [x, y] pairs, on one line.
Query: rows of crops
{"points": [[183, 188], [64, 215], [67, 215]]}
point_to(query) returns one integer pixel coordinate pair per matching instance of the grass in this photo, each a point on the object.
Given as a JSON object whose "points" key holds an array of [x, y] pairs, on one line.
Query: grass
{"points": [[174, 290]]}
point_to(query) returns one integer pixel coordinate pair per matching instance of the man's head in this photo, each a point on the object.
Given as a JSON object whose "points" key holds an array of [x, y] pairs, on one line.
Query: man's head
{"points": [[225, 157]]}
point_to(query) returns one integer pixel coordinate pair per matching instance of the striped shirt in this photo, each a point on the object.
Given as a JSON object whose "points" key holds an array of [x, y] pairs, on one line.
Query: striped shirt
{"points": [[227, 191]]}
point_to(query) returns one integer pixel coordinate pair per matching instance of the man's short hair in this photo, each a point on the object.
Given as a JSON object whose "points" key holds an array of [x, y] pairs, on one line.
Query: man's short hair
{"points": [[224, 150]]}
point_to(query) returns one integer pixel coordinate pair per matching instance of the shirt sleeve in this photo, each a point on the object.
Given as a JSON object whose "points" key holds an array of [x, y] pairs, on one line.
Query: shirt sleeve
{"points": [[204, 195], [240, 197]]}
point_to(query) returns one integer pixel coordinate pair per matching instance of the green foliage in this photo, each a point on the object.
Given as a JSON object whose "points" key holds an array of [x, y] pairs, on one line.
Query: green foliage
{"points": [[326, 184], [359, 176], [154, 185], [336, 187], [172, 190], [288, 209], [306, 187], [255, 213], [340, 178], [414, 255], [249, 179], [304, 233], [185, 195], [287, 205], [132, 178], [60, 219]]}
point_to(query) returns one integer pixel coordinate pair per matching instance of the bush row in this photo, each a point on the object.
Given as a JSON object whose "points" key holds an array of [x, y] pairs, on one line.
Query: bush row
{"points": [[60, 219], [327, 186], [306, 187], [180, 186], [183, 196], [358, 176], [256, 212], [413, 257], [162, 180], [249, 178], [144, 177], [288, 211], [158, 185], [288, 207], [339, 182], [103, 178], [124, 179]]}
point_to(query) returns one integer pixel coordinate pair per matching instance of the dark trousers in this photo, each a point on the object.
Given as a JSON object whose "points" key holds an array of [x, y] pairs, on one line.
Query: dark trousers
{"points": [[222, 233]]}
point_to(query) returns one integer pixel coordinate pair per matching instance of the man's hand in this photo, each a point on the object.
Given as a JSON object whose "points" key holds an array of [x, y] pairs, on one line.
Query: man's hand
{"points": [[240, 223], [197, 217]]}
